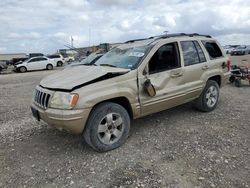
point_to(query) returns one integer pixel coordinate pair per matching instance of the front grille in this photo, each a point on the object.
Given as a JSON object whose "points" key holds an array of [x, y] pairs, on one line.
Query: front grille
{"points": [[41, 99]]}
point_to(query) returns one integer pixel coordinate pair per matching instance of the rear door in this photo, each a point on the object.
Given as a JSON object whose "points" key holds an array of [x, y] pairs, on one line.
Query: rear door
{"points": [[163, 68], [195, 66], [217, 60], [43, 62]]}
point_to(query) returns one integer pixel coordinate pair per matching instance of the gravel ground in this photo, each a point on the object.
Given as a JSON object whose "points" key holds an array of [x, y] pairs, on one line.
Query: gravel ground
{"points": [[180, 147]]}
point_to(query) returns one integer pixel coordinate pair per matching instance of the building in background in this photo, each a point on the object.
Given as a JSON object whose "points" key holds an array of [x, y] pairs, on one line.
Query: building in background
{"points": [[9, 57]]}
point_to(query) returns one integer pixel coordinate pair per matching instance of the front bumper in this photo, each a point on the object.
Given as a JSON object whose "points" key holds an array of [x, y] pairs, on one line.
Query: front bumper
{"points": [[72, 121]]}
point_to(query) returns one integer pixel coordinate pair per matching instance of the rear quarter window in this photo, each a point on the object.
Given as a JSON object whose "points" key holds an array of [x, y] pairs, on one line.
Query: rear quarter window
{"points": [[213, 49]]}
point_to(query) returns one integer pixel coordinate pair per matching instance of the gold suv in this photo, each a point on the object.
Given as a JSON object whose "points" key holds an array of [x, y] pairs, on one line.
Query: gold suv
{"points": [[137, 78]]}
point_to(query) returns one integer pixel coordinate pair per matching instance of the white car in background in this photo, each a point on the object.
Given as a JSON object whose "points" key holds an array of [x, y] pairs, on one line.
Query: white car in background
{"points": [[36, 63], [58, 58]]}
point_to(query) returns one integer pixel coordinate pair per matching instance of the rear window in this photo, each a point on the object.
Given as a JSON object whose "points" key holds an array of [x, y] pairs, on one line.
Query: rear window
{"points": [[212, 49]]}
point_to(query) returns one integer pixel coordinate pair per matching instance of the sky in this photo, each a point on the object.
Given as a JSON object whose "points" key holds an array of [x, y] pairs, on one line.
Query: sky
{"points": [[47, 25]]}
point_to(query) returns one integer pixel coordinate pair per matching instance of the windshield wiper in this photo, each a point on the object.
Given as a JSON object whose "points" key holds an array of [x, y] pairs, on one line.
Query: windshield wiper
{"points": [[90, 64], [108, 65], [87, 64]]}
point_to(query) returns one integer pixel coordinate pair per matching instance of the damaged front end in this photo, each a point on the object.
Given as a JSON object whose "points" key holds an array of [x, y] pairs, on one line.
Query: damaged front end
{"points": [[74, 78]]}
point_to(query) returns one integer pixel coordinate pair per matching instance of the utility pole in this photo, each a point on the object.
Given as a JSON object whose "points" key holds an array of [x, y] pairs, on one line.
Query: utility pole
{"points": [[72, 41]]}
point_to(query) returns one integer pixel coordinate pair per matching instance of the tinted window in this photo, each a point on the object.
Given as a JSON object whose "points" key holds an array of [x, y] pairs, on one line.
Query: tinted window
{"points": [[38, 59], [42, 59], [190, 53], [200, 52], [33, 60], [54, 56], [212, 49], [165, 58]]}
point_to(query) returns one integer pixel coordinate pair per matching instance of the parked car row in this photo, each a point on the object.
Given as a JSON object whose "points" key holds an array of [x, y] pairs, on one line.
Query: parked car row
{"points": [[237, 49]]}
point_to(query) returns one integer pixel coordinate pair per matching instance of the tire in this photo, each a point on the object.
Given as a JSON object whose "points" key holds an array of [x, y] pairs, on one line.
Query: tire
{"points": [[23, 69], [1, 69], [209, 97], [59, 63], [232, 79], [237, 82], [49, 67], [107, 127]]}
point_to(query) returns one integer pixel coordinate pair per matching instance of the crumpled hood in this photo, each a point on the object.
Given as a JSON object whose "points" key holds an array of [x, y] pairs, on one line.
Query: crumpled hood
{"points": [[70, 78]]}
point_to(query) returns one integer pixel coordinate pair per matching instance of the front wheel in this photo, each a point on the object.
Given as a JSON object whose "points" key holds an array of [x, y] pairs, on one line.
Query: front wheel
{"points": [[209, 97], [49, 67], [22, 69], [107, 127]]}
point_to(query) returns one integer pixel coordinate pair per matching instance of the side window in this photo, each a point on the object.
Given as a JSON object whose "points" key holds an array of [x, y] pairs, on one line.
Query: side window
{"points": [[165, 58], [212, 49], [200, 52], [190, 53], [33, 60], [42, 59]]}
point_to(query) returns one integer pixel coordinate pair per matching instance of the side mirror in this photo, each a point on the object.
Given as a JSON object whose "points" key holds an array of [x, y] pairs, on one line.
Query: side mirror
{"points": [[149, 88]]}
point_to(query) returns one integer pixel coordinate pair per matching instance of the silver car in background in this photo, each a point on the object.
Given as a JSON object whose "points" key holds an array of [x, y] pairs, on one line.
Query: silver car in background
{"points": [[241, 50]]}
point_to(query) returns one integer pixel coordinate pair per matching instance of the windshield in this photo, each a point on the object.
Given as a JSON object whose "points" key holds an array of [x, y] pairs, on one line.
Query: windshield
{"points": [[123, 58], [89, 58]]}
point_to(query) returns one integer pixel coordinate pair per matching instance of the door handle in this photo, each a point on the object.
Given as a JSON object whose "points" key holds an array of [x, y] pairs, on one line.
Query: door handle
{"points": [[176, 75], [205, 67]]}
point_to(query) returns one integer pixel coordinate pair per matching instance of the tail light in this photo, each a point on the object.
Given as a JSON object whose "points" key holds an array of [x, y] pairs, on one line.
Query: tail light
{"points": [[228, 65]]}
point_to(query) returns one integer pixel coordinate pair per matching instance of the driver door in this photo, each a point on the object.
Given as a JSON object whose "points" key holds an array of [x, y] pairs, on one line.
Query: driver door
{"points": [[165, 72]]}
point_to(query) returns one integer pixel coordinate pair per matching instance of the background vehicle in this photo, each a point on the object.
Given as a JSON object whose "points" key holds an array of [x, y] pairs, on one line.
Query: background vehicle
{"points": [[241, 50], [58, 58], [229, 48], [138, 78], [3, 65], [36, 63], [68, 58], [16, 61]]}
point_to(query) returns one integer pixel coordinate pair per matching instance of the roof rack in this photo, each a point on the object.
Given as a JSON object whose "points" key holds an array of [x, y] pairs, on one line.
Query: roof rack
{"points": [[135, 40], [185, 34], [169, 36]]}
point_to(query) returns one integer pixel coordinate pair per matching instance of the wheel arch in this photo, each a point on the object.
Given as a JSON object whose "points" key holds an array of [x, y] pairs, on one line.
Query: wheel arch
{"points": [[123, 101], [216, 78], [21, 67]]}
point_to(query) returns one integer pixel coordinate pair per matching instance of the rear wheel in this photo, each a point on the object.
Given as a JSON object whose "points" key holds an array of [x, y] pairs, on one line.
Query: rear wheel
{"points": [[237, 82], [107, 127], [232, 79], [1, 69], [59, 63], [209, 97], [49, 67], [22, 69]]}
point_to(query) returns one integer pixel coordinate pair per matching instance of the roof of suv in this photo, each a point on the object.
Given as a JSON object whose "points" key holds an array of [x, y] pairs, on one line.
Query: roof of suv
{"points": [[155, 39]]}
